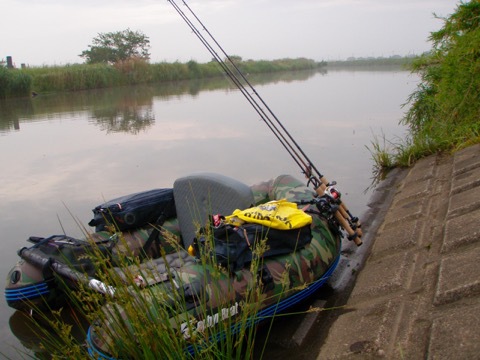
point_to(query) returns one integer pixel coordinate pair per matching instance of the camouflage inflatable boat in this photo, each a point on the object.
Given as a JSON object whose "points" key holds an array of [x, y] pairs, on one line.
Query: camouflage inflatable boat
{"points": [[37, 280], [196, 294], [200, 298]]}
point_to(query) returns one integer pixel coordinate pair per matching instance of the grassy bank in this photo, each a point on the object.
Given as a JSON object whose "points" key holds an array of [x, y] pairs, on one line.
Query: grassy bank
{"points": [[443, 112], [393, 61], [14, 83], [132, 72]]}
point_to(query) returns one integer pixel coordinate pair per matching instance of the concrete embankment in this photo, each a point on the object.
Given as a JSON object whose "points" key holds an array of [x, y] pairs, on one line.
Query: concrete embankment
{"points": [[416, 294]]}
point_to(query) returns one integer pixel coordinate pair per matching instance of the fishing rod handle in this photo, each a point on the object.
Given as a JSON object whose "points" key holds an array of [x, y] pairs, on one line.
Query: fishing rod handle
{"points": [[342, 218], [342, 207], [354, 223], [352, 234]]}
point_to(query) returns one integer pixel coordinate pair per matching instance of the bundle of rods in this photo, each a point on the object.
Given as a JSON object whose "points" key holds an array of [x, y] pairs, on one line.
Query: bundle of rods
{"points": [[346, 220]]}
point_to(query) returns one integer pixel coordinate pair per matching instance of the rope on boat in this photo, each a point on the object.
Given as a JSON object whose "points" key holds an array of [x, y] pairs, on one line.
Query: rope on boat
{"points": [[321, 185]]}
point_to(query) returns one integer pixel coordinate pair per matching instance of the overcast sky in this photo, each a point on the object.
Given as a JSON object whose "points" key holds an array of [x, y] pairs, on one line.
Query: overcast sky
{"points": [[55, 32]]}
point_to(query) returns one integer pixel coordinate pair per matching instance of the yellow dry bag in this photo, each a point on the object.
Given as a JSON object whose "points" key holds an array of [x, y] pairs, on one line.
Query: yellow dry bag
{"points": [[277, 214]]}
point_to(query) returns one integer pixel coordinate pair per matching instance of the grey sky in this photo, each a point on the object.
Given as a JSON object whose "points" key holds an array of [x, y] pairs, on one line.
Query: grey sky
{"points": [[55, 32]]}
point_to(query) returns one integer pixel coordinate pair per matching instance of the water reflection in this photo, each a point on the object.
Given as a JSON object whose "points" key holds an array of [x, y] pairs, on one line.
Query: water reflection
{"points": [[11, 111], [124, 109], [128, 110], [57, 160], [35, 332]]}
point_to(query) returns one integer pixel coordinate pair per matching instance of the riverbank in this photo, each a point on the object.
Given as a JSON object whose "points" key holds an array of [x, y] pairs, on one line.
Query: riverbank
{"points": [[75, 77], [417, 295], [411, 291]]}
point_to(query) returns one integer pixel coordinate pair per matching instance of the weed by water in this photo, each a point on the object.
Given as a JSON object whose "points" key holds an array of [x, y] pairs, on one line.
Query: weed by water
{"points": [[197, 314], [381, 151], [443, 109], [14, 83]]}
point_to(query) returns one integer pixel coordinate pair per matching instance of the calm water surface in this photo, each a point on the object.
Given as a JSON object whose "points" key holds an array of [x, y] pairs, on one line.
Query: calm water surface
{"points": [[61, 155]]}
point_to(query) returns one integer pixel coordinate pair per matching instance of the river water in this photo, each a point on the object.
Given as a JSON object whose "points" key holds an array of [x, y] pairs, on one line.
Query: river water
{"points": [[61, 155]]}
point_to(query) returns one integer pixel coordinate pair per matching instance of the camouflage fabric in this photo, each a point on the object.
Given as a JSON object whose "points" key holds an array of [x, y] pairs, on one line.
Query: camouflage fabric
{"points": [[29, 286], [282, 187], [216, 293], [130, 243]]}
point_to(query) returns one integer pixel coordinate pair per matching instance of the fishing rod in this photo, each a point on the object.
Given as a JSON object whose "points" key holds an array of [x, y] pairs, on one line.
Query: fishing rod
{"points": [[229, 72], [322, 187]]}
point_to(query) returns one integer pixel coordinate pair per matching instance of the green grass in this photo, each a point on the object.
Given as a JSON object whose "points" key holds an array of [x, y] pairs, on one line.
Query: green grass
{"points": [[443, 111], [381, 152], [73, 77], [395, 61], [145, 323], [14, 83], [76, 77]]}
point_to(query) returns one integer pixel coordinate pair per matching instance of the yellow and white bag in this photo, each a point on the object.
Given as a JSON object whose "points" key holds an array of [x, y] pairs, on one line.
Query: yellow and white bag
{"points": [[277, 214]]}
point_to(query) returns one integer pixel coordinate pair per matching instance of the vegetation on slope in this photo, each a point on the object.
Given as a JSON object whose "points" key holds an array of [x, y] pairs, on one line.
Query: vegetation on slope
{"points": [[444, 109]]}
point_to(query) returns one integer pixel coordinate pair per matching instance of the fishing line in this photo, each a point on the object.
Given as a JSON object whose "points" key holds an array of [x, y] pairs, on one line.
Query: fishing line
{"points": [[343, 215], [306, 164], [239, 72], [307, 167]]}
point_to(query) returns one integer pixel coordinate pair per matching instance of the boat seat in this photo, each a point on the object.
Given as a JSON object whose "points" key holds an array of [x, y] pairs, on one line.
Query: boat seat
{"points": [[200, 195]]}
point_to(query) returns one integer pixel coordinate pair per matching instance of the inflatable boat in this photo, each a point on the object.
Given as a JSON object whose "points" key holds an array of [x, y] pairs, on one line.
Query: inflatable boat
{"points": [[197, 299], [293, 261]]}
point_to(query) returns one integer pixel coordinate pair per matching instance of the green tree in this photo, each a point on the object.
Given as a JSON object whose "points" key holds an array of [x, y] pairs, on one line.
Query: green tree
{"points": [[117, 46]]}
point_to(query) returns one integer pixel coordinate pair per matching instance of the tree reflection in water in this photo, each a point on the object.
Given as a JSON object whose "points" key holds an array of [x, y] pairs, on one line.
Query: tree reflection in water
{"points": [[124, 109]]}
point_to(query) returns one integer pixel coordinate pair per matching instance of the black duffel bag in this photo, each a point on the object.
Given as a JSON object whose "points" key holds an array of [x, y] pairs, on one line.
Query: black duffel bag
{"points": [[134, 210], [232, 246]]}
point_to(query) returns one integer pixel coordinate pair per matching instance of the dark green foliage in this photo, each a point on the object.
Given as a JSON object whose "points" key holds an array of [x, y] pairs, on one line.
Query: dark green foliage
{"points": [[444, 110], [14, 83], [114, 47], [133, 71], [445, 107], [194, 68]]}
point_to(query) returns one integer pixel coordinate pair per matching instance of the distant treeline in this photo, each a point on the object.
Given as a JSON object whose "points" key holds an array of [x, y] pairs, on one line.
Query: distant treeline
{"points": [[24, 82], [372, 61]]}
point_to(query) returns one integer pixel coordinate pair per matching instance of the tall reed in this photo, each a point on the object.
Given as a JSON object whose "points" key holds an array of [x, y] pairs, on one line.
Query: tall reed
{"points": [[160, 321], [14, 83], [137, 71]]}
